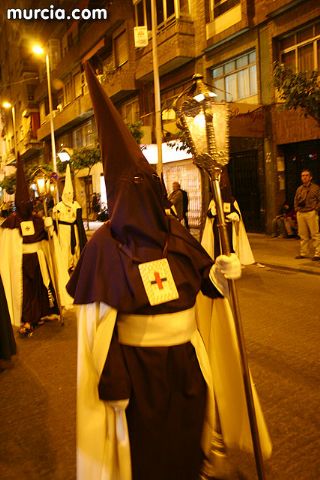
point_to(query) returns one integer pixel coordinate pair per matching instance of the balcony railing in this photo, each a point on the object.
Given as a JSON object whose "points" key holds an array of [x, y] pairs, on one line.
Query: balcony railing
{"points": [[176, 46]]}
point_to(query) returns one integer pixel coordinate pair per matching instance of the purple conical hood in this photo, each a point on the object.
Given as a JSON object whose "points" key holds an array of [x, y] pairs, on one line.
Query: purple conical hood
{"points": [[22, 197], [134, 190]]}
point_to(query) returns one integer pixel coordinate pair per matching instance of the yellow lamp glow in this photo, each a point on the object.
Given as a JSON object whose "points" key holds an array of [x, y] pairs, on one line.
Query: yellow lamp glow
{"points": [[41, 185], [6, 104], [38, 49]]}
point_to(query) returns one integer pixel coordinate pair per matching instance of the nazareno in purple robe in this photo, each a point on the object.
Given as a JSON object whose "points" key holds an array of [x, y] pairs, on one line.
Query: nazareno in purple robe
{"points": [[165, 387]]}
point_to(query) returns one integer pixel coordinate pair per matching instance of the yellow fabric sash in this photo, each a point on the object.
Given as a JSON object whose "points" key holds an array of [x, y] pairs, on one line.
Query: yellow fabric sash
{"points": [[157, 330]]}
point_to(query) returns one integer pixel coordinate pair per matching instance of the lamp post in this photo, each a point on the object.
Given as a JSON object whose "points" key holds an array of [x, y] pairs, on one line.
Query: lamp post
{"points": [[206, 126], [7, 105], [156, 83], [38, 50]]}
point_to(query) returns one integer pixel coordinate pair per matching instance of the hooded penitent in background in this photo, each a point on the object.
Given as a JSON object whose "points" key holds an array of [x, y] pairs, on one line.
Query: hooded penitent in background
{"points": [[238, 239], [26, 263], [71, 233], [146, 387]]}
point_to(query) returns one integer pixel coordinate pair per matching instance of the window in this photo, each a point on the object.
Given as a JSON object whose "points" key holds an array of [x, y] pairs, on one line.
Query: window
{"points": [[120, 49], [216, 8], [77, 138], [236, 79], [130, 111], [222, 6], [54, 52], [85, 135], [68, 92], [300, 50], [77, 80], [60, 100], [43, 110], [89, 134], [166, 9]]}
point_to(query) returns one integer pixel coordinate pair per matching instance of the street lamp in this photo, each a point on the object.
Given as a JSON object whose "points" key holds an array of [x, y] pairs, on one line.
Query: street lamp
{"points": [[206, 127], [65, 154], [7, 105], [38, 50], [45, 185], [156, 82]]}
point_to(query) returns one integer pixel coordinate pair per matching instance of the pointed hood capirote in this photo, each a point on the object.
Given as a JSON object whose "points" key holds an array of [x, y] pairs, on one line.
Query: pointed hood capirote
{"points": [[138, 230], [67, 194], [134, 190], [24, 208]]}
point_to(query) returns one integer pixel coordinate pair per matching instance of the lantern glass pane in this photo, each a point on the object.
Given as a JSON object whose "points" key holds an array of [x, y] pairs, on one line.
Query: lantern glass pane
{"points": [[197, 128]]}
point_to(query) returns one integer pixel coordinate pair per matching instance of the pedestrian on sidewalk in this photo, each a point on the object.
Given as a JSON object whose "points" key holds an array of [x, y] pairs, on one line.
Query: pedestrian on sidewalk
{"points": [[307, 206], [284, 225]]}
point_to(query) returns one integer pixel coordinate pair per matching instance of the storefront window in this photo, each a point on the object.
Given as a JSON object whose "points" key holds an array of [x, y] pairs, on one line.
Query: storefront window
{"points": [[187, 174]]}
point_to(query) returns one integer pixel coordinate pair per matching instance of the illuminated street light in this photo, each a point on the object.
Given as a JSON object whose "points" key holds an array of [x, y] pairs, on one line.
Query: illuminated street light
{"points": [[7, 105], [65, 154], [38, 50]]}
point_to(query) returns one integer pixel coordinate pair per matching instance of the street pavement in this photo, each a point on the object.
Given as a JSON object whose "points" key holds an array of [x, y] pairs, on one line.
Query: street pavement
{"points": [[37, 397], [280, 253], [271, 252]]}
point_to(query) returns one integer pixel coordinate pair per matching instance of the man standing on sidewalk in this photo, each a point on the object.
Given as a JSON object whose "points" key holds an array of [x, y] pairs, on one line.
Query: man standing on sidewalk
{"points": [[307, 206]]}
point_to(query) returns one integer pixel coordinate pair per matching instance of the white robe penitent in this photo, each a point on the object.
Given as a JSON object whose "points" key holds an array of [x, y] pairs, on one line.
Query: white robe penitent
{"points": [[67, 213], [103, 449], [240, 241], [11, 247]]}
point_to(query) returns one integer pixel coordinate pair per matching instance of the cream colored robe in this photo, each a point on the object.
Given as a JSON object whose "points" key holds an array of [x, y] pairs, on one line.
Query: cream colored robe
{"points": [[103, 450], [11, 247], [67, 213], [240, 242]]}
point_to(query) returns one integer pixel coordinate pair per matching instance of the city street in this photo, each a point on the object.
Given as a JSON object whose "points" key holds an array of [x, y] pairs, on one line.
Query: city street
{"points": [[281, 324]]}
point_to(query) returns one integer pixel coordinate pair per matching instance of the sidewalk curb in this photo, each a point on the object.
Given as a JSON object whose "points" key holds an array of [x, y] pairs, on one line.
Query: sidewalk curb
{"points": [[290, 269]]}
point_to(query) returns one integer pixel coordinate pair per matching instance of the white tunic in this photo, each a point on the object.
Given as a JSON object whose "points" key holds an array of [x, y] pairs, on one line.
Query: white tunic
{"points": [[67, 213], [103, 449]]}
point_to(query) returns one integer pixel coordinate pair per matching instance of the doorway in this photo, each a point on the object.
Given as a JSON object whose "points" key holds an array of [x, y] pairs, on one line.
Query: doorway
{"points": [[297, 157], [244, 179]]}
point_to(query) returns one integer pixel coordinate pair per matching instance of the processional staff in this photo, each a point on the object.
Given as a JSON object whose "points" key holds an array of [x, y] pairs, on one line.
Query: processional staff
{"points": [[205, 124]]}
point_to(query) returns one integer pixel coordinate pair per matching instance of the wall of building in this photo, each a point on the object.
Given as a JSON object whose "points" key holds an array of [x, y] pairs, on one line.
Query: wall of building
{"points": [[187, 44]]}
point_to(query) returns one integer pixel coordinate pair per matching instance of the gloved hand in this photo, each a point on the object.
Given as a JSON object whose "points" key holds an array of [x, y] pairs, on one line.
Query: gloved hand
{"points": [[225, 268], [48, 225], [230, 266], [233, 217], [48, 222], [213, 210]]}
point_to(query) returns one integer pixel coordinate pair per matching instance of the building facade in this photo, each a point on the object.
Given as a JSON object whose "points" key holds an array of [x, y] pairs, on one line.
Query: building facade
{"points": [[232, 43]]}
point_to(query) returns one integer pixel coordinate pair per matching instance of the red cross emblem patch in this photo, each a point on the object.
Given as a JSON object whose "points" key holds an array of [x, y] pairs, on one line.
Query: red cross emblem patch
{"points": [[158, 281], [27, 228]]}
